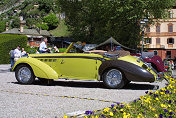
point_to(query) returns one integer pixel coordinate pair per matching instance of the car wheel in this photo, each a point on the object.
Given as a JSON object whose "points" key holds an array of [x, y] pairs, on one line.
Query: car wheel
{"points": [[24, 74], [46, 81], [114, 78]]}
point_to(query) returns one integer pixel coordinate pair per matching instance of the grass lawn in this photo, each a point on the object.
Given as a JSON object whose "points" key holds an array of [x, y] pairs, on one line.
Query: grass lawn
{"points": [[61, 30]]}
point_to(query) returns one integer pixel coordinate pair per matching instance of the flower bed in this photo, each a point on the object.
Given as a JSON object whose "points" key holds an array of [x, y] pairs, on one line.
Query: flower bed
{"points": [[158, 104]]}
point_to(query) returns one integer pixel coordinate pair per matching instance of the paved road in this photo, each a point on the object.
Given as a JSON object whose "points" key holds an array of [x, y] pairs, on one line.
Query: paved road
{"points": [[40, 101]]}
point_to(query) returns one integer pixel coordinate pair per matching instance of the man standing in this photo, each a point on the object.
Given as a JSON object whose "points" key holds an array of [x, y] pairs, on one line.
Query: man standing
{"points": [[43, 46], [17, 53], [23, 53], [12, 58]]}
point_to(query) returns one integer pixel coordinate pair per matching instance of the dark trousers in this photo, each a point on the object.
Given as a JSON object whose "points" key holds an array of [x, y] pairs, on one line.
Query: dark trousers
{"points": [[12, 62]]}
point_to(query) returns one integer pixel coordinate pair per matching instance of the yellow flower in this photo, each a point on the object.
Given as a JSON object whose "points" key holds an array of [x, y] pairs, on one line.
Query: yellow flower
{"points": [[65, 116], [141, 97], [162, 105], [156, 115], [121, 109], [85, 117], [106, 110], [156, 92], [111, 114], [162, 93], [156, 99], [96, 116]]}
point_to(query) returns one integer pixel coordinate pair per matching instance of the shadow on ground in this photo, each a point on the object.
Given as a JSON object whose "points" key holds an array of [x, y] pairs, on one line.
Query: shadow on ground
{"points": [[76, 84]]}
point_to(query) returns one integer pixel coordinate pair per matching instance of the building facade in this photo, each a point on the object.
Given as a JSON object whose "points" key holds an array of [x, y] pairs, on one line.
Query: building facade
{"points": [[160, 37]]}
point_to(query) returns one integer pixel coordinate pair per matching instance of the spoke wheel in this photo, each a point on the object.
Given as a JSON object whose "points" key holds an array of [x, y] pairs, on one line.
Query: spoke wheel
{"points": [[24, 74], [114, 78]]}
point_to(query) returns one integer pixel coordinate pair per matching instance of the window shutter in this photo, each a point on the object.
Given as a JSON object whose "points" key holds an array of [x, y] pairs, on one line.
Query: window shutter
{"points": [[173, 40], [150, 41], [167, 41]]}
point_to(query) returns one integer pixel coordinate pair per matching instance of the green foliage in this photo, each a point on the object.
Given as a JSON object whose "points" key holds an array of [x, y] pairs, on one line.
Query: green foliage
{"points": [[8, 42], [31, 50], [94, 21], [62, 49], [43, 26], [15, 23], [46, 5], [2, 26], [51, 20], [61, 30]]}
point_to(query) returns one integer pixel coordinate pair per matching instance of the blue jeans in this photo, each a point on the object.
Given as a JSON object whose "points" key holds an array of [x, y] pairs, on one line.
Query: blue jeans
{"points": [[12, 62]]}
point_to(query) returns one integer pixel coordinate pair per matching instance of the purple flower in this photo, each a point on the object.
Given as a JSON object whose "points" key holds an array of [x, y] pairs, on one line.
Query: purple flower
{"points": [[155, 95], [170, 113], [170, 116], [121, 111], [88, 112], [167, 91], [103, 116], [112, 105], [150, 93], [161, 116], [170, 101], [134, 100], [146, 92], [165, 110], [121, 106], [114, 111], [166, 84]]}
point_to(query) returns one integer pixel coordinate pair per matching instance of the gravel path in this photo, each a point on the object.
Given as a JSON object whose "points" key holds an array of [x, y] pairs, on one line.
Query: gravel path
{"points": [[40, 101]]}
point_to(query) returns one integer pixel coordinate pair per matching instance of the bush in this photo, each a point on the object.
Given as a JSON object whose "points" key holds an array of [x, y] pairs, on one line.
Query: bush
{"points": [[8, 42], [31, 50], [62, 49]]}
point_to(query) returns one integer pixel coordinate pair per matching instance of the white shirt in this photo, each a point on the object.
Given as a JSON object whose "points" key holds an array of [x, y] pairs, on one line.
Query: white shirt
{"points": [[43, 46], [23, 53], [17, 53]]}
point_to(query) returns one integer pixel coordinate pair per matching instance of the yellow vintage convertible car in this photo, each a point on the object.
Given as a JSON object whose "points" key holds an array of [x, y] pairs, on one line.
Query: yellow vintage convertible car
{"points": [[114, 70]]}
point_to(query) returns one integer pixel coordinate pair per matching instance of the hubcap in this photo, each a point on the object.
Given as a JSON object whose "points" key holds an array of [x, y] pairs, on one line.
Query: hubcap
{"points": [[24, 74], [114, 77]]}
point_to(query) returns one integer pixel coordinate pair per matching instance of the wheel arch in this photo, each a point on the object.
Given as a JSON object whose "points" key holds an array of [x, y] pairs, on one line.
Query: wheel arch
{"points": [[40, 69], [107, 65]]}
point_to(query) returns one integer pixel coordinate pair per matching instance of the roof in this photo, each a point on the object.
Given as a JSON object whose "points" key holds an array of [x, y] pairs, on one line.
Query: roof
{"points": [[27, 32], [113, 41]]}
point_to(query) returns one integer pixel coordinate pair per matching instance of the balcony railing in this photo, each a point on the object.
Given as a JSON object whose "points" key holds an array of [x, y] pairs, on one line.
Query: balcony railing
{"points": [[153, 46]]}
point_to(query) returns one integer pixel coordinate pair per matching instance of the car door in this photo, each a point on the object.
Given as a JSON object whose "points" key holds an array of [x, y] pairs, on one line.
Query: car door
{"points": [[78, 66]]}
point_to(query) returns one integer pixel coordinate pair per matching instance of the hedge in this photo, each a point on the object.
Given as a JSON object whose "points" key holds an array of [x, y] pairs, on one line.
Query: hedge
{"points": [[8, 42]]}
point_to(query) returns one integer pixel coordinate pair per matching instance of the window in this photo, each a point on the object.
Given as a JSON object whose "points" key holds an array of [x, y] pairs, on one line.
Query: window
{"points": [[157, 28], [157, 40], [148, 41], [168, 54], [155, 52], [170, 41], [170, 27]]}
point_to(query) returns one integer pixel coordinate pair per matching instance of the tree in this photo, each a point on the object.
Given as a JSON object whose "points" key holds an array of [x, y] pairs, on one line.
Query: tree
{"points": [[94, 21], [46, 5], [51, 20], [15, 23], [43, 26], [2, 26]]}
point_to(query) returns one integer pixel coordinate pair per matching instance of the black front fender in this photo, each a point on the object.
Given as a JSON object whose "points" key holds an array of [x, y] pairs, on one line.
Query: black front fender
{"points": [[131, 71]]}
